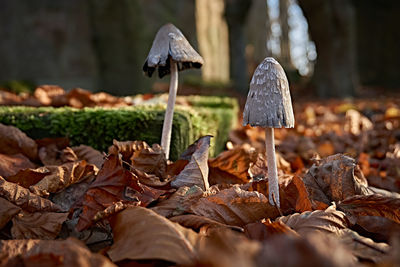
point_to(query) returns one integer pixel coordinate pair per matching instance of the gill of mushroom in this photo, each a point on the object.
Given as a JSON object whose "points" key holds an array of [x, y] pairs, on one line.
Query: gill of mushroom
{"points": [[269, 105], [170, 53]]}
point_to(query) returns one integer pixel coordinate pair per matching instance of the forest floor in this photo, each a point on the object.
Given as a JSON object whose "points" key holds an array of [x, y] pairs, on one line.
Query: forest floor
{"points": [[339, 180]]}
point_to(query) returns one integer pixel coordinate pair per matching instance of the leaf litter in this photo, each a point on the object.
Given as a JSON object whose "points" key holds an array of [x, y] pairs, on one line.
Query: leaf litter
{"points": [[339, 188]]}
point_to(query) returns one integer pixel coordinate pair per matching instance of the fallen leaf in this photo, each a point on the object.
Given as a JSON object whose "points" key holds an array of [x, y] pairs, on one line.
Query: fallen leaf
{"points": [[37, 225], [232, 166], [325, 149], [52, 155], [70, 252], [12, 164], [72, 195], [327, 221], [334, 178], [371, 205], [261, 231], [62, 177], [313, 250], [196, 171], [46, 94], [113, 183], [14, 141], [179, 202], [25, 199], [28, 177], [363, 248], [7, 211], [141, 234], [294, 192], [235, 206], [198, 223], [224, 247], [150, 160], [127, 148], [91, 155]]}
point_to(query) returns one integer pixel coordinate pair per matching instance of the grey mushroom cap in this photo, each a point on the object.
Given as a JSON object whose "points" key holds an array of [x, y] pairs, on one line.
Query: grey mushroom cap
{"points": [[170, 42], [268, 103]]}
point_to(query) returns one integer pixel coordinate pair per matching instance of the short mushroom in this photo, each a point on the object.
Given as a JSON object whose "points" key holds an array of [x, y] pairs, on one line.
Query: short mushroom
{"points": [[170, 53], [269, 105]]}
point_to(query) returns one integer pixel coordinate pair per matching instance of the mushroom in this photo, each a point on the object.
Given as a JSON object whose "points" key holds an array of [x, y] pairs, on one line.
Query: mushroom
{"points": [[269, 105], [170, 52]]}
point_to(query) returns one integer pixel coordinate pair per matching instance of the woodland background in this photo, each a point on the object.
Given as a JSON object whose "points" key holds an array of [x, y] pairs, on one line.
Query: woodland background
{"points": [[101, 45]]}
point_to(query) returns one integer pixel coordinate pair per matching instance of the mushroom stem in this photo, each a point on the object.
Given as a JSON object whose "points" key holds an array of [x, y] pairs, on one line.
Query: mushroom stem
{"points": [[169, 113], [273, 186]]}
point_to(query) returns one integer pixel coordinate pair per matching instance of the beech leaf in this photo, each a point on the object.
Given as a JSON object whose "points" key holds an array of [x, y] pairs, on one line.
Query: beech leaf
{"points": [[91, 155], [235, 206], [25, 199], [63, 176], [196, 171], [328, 221], [141, 234], [69, 252], [12, 164], [37, 225], [14, 141], [7, 211], [113, 183]]}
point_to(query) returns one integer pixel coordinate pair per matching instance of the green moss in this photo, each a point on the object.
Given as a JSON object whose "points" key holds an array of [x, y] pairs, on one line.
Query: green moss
{"points": [[97, 127]]}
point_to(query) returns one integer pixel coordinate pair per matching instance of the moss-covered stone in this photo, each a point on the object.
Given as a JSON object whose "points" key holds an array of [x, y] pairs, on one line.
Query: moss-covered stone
{"points": [[97, 127]]}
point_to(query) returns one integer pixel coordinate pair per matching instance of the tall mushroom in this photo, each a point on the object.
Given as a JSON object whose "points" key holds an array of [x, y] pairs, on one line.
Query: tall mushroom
{"points": [[170, 53], [269, 105]]}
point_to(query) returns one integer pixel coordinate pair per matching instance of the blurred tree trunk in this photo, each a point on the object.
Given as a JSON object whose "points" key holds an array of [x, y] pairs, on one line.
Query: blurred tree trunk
{"points": [[285, 58], [212, 35], [332, 28], [236, 12], [258, 32]]}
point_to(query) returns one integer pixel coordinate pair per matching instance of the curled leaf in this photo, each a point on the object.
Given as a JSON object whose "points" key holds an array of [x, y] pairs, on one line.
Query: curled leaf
{"points": [[14, 141], [12, 164], [91, 155], [25, 199], [196, 171], [7, 211], [62, 177]]}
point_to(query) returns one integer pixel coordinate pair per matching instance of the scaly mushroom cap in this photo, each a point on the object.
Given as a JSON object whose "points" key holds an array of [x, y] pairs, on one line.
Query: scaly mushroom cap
{"points": [[170, 42], [268, 103]]}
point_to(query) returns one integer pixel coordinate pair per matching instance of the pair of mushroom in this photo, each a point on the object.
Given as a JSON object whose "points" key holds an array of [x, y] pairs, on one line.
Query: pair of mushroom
{"points": [[268, 102]]}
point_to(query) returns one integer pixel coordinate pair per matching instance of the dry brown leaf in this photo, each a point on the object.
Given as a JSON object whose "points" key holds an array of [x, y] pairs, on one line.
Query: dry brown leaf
{"points": [[113, 183], [25, 199], [150, 179], [91, 155], [12, 164], [314, 250], [363, 248], [378, 228], [196, 171], [28, 177], [63, 176], [371, 205], [52, 155], [224, 247], [127, 148], [295, 194], [150, 160], [14, 141], [198, 223], [235, 206], [334, 178], [37, 225], [141, 234], [261, 231], [327, 221], [66, 253], [180, 201], [7, 211], [46, 94], [232, 166]]}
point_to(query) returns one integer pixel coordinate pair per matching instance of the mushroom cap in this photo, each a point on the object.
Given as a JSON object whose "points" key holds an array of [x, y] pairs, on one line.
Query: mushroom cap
{"points": [[268, 103], [170, 42]]}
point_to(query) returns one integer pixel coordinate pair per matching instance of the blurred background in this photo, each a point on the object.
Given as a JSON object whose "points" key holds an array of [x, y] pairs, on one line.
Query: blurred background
{"points": [[329, 48]]}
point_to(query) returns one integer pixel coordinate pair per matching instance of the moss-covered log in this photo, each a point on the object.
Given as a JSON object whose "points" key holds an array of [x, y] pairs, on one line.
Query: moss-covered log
{"points": [[97, 127]]}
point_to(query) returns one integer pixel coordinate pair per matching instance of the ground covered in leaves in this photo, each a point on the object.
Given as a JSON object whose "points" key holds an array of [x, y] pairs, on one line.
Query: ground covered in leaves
{"points": [[339, 172]]}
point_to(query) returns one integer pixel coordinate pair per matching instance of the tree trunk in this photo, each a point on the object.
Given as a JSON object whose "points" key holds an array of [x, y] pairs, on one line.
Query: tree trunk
{"points": [[212, 35], [332, 28], [236, 12], [285, 58]]}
